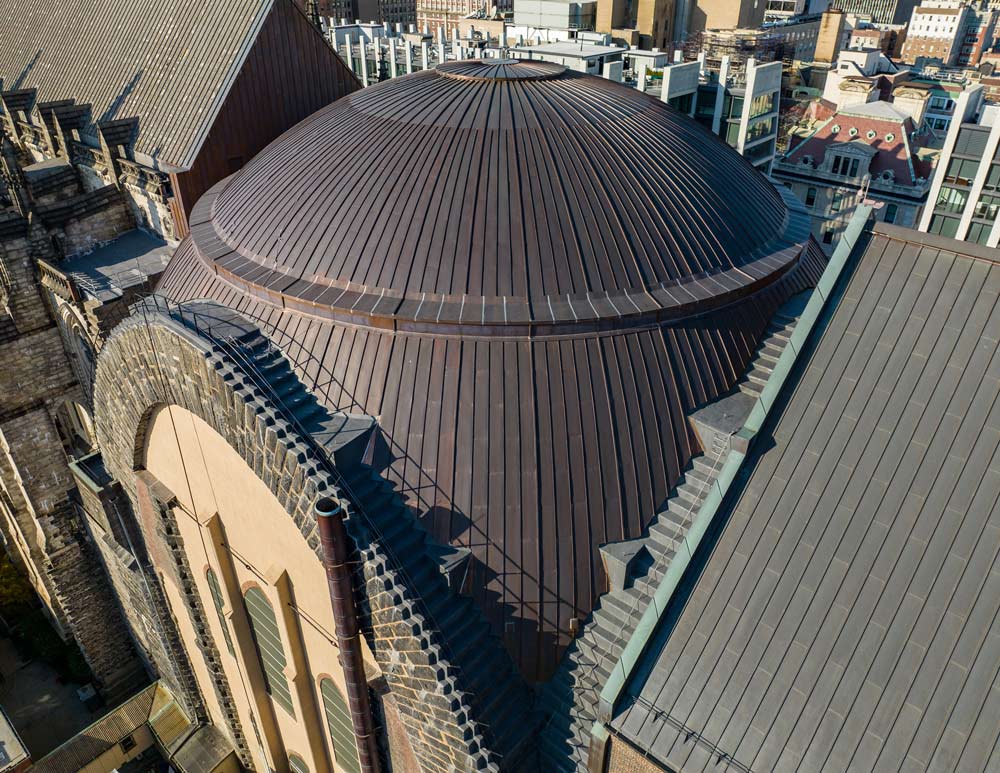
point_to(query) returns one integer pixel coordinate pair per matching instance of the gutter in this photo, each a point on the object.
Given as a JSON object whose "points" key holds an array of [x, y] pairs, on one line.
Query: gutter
{"points": [[333, 538], [638, 644]]}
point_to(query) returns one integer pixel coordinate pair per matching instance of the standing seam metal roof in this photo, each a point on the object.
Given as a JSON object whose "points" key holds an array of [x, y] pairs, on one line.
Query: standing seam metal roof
{"points": [[525, 182], [848, 616], [529, 428]]}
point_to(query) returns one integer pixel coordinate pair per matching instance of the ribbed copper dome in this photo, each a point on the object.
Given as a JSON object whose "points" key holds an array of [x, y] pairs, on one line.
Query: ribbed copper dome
{"points": [[497, 188], [531, 277]]}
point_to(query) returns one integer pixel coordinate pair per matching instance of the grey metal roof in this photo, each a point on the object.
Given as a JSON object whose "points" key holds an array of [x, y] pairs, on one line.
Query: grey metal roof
{"points": [[169, 63], [883, 110], [130, 259], [846, 617]]}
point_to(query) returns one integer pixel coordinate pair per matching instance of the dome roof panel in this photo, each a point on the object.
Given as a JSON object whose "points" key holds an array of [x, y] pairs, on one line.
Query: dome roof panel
{"points": [[509, 182], [531, 280]]}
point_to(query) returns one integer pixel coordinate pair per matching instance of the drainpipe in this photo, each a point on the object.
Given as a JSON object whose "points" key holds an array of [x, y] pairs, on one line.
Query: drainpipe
{"points": [[333, 537]]}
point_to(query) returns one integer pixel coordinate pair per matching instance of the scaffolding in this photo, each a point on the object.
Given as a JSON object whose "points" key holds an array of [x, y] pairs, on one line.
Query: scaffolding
{"points": [[739, 45]]}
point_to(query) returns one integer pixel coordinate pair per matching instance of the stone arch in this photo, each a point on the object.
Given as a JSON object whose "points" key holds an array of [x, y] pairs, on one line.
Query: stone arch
{"points": [[79, 344], [77, 424], [183, 357], [166, 365]]}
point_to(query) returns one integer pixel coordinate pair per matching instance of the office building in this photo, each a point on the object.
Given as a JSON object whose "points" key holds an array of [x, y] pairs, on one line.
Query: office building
{"points": [[936, 31], [741, 106], [643, 24], [879, 11], [701, 15], [965, 193], [863, 152]]}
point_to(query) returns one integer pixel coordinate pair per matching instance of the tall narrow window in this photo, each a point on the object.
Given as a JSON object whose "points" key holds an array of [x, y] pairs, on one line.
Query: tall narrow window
{"points": [[267, 637], [810, 196], [296, 764], [993, 177], [979, 233], [838, 202], [891, 212], [213, 586], [338, 720]]}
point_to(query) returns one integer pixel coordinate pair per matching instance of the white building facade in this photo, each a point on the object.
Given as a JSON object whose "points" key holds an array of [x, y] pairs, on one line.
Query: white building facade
{"points": [[965, 189]]}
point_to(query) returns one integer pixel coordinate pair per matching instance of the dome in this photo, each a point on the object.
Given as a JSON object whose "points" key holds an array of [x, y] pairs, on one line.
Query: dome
{"points": [[530, 277], [510, 181]]}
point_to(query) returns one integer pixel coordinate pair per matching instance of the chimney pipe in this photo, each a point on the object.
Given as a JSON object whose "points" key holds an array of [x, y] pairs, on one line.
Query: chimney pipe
{"points": [[333, 537]]}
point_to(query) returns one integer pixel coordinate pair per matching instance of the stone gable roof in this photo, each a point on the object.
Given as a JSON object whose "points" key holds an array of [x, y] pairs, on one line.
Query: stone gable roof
{"points": [[167, 63]]}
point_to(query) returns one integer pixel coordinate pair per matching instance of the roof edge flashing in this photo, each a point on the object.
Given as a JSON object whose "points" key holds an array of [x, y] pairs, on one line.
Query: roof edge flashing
{"points": [[636, 647], [528, 316]]}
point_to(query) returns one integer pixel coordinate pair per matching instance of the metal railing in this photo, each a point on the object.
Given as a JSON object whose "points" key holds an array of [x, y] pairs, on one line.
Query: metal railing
{"points": [[229, 345]]}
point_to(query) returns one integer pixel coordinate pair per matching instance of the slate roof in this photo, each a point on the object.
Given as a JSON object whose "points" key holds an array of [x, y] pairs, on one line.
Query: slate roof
{"points": [[846, 617], [896, 155], [169, 63]]}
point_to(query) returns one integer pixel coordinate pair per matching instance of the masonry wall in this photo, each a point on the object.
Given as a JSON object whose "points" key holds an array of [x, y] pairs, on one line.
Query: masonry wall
{"points": [[624, 758], [33, 379], [38, 513], [92, 230], [155, 361], [26, 309], [145, 210]]}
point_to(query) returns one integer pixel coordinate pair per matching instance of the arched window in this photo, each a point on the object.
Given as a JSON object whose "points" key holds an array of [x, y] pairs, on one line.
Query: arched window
{"points": [[296, 764], [216, 591], [338, 720], [267, 637]]}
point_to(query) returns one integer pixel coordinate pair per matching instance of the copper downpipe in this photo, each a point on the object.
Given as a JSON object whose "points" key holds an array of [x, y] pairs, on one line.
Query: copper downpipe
{"points": [[333, 537]]}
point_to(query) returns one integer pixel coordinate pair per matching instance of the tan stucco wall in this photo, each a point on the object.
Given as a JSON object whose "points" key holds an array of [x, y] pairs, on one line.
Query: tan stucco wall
{"points": [[207, 476]]}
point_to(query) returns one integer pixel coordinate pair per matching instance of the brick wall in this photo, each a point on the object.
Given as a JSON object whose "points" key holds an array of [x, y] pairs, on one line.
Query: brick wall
{"points": [[625, 758]]}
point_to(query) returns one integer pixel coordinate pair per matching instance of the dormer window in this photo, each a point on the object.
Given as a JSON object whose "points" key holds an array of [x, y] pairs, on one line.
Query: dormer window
{"points": [[845, 165]]}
